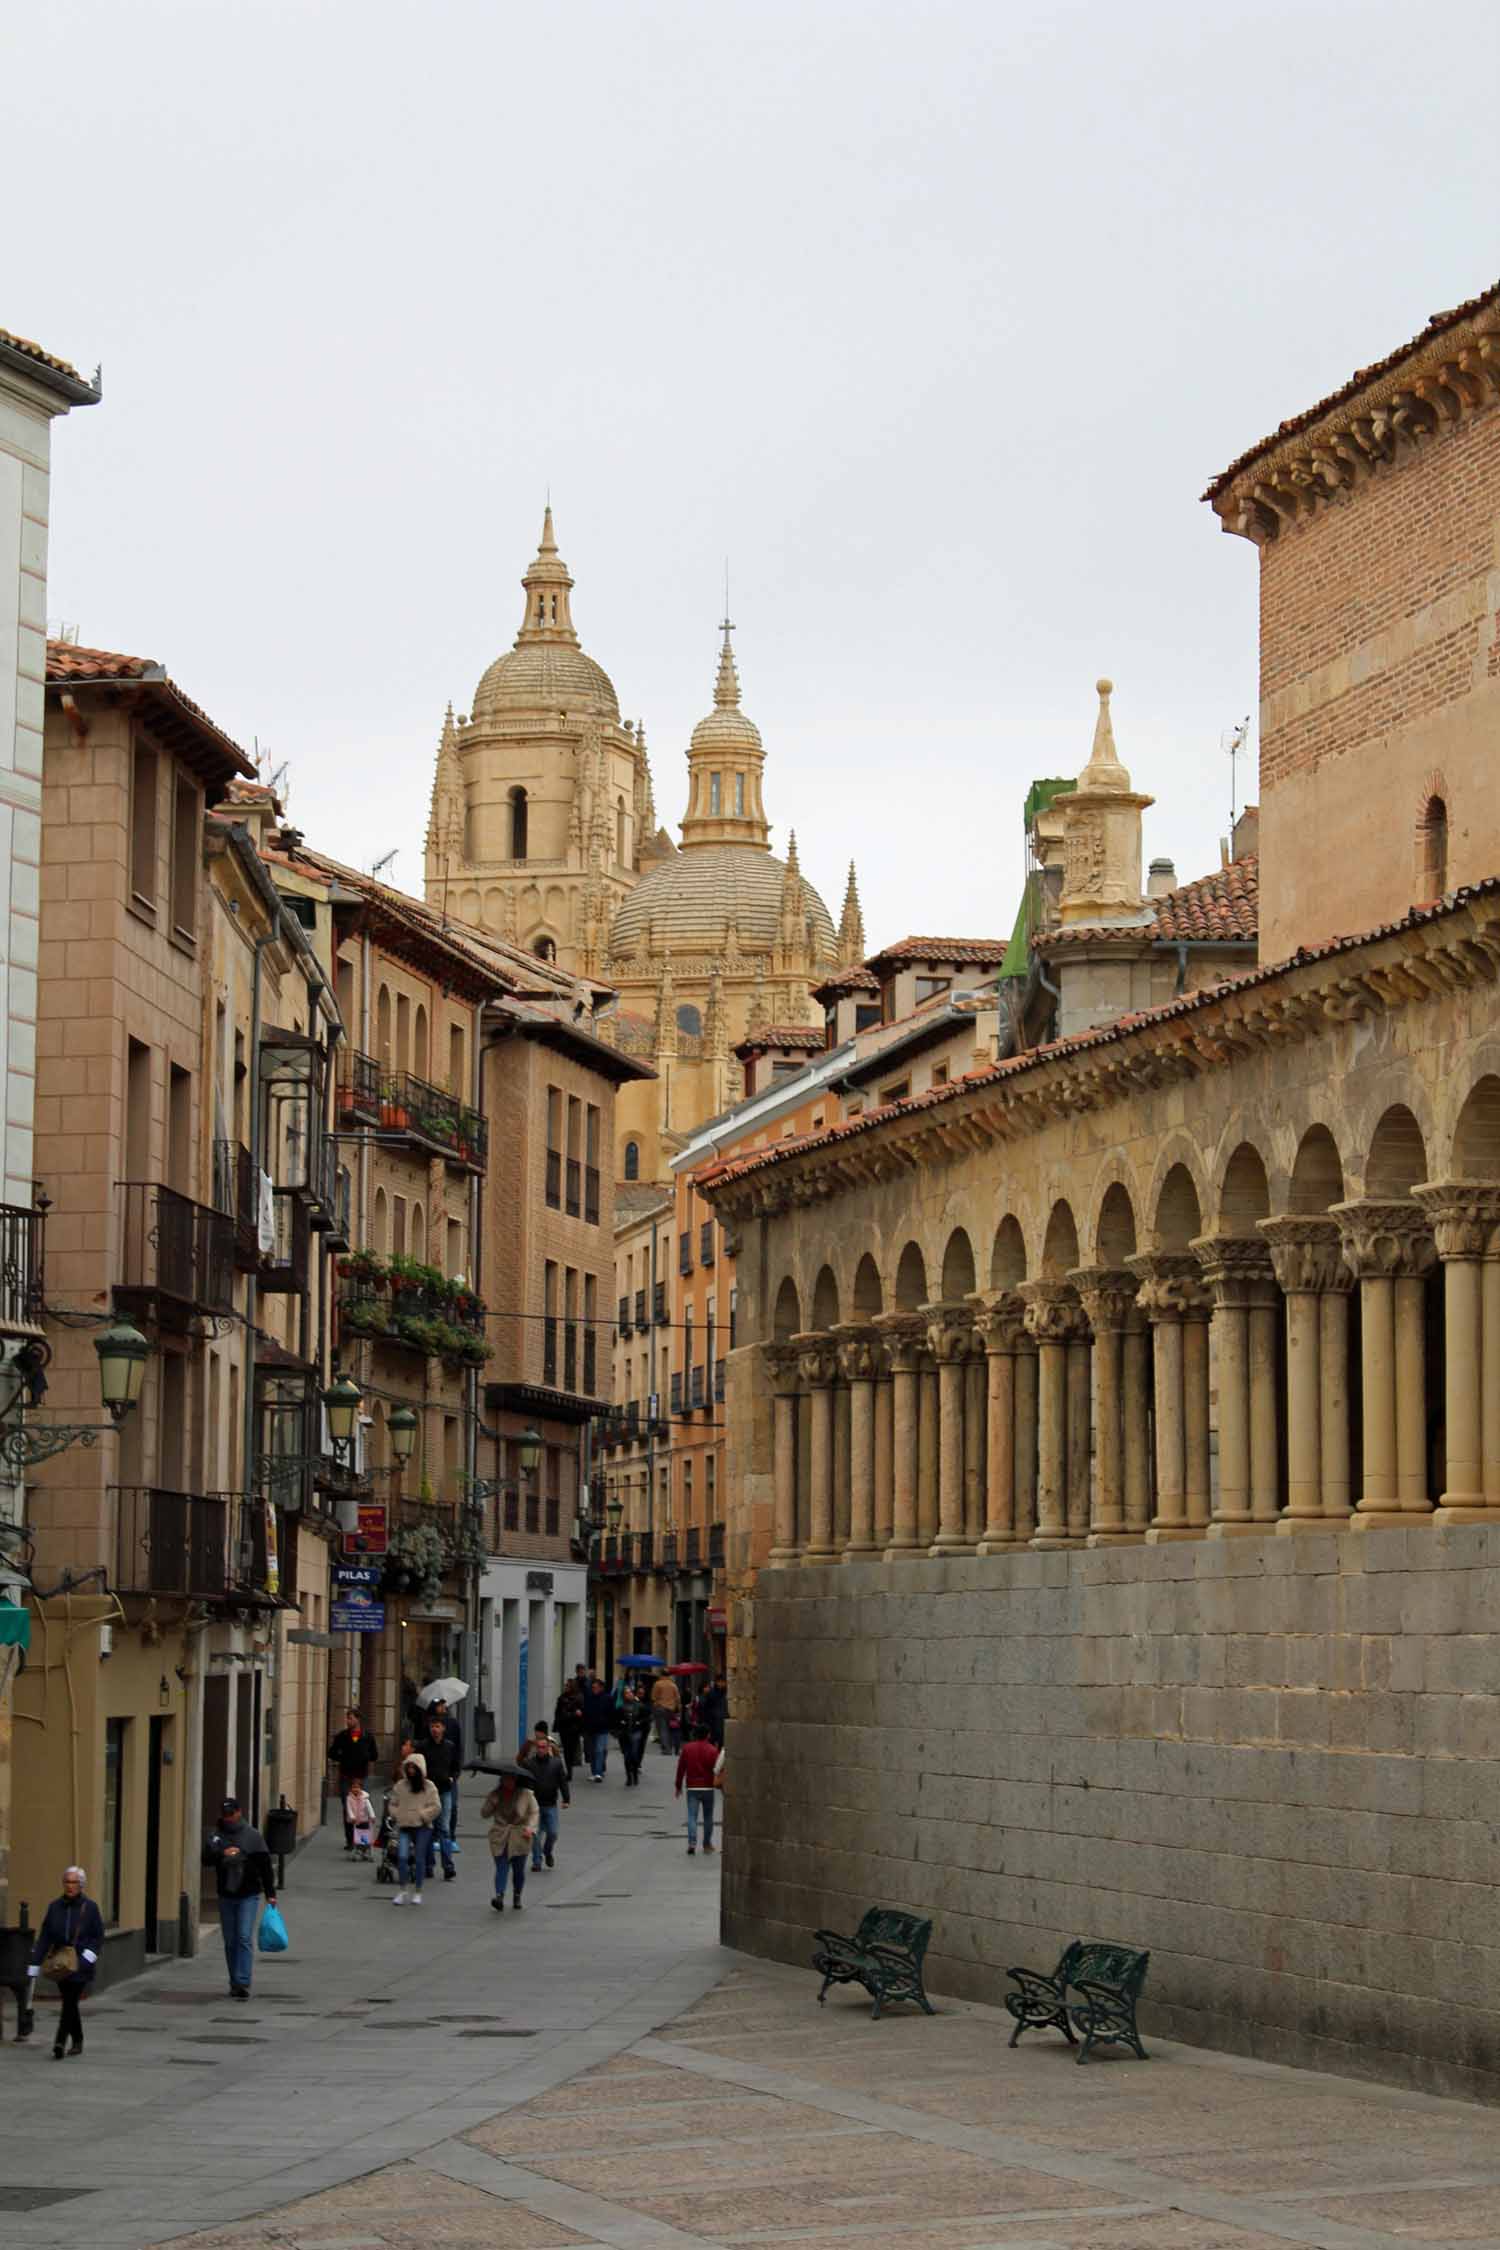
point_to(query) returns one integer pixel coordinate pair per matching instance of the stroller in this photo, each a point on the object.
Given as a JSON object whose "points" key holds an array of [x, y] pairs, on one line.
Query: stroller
{"points": [[386, 1863]]}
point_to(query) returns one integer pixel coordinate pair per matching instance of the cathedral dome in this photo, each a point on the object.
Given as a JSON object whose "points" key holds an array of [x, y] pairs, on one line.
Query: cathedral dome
{"points": [[546, 670], [687, 902]]}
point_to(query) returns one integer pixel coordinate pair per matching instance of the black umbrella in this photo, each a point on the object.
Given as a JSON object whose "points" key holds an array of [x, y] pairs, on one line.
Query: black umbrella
{"points": [[506, 1770]]}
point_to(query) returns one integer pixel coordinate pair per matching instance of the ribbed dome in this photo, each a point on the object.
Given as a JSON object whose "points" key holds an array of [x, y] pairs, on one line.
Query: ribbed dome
{"points": [[723, 731], [545, 676], [689, 899]]}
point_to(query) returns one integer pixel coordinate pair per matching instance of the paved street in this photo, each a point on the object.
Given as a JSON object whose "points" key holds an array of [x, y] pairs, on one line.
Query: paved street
{"points": [[665, 2092]]}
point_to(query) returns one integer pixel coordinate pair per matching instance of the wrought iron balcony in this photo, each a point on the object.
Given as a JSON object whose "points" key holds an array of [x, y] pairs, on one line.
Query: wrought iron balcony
{"points": [[177, 1255], [442, 1322], [204, 1546], [285, 1270], [21, 1235], [234, 1194], [426, 1118], [359, 1090]]}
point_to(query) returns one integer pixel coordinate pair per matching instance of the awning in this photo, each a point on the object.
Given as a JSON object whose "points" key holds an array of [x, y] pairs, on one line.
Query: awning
{"points": [[15, 1626]]}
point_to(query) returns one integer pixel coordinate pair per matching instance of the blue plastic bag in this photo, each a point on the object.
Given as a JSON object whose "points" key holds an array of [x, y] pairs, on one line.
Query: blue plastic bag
{"points": [[272, 1937]]}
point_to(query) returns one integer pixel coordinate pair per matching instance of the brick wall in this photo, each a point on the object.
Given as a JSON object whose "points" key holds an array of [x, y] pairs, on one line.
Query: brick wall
{"points": [[1272, 1762]]}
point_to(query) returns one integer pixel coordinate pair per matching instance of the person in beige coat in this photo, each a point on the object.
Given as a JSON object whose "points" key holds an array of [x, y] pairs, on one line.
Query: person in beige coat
{"points": [[511, 1810], [415, 1805], [666, 1709]]}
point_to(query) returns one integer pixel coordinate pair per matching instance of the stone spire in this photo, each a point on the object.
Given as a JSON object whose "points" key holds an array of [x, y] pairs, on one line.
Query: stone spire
{"points": [[548, 615], [851, 926], [445, 824], [1101, 822], [1104, 770], [725, 764]]}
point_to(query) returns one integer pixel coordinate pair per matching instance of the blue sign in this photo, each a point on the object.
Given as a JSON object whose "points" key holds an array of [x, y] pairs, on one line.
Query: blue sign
{"points": [[357, 1616], [357, 1574]]}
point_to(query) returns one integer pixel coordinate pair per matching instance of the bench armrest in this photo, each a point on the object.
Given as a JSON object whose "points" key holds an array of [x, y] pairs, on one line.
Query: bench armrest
{"points": [[831, 1941], [1033, 1981], [896, 1956]]}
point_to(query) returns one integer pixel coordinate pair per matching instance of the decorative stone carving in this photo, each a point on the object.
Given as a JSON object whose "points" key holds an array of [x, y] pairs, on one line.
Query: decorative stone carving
{"points": [[1307, 1255], [1238, 1269], [1053, 1313], [817, 1360], [999, 1320], [784, 1366], [904, 1335], [1171, 1285], [1107, 1296], [950, 1331], [1386, 1241], [860, 1355], [1464, 1215]]}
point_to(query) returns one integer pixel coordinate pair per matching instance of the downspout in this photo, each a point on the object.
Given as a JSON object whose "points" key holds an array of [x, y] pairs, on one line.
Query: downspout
{"points": [[247, 1402], [477, 1184]]}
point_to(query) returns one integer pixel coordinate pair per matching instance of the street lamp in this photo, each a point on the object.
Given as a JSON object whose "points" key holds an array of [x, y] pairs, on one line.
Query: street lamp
{"points": [[341, 1403], [614, 1508], [401, 1429], [531, 1451], [123, 1352]]}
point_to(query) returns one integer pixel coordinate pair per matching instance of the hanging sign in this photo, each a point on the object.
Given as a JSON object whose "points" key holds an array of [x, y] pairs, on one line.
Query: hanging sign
{"points": [[369, 1534]]}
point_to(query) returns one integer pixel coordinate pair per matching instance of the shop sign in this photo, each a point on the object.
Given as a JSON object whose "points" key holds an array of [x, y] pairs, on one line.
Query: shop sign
{"points": [[538, 1581], [273, 1557], [356, 1613], [718, 1620], [358, 1574], [369, 1534]]}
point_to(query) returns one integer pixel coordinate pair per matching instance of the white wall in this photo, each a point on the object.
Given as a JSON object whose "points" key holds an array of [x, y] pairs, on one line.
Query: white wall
{"points": [[25, 443]]}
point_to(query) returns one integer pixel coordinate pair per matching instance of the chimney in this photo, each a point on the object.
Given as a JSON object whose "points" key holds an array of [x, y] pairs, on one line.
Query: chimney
{"points": [[1161, 877], [1247, 832]]}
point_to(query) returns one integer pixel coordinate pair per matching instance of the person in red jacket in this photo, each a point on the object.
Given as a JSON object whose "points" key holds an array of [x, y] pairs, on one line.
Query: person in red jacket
{"points": [[695, 1773]]}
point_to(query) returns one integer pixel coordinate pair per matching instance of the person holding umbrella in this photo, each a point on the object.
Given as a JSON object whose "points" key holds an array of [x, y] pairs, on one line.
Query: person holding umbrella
{"points": [[511, 1810]]}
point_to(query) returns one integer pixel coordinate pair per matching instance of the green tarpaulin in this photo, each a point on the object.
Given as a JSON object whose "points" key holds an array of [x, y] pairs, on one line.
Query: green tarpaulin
{"points": [[15, 1626]]}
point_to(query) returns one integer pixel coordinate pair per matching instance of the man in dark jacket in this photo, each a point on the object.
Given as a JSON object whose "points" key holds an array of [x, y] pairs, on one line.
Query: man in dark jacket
{"points": [[549, 1782], [567, 1723], [354, 1752], [598, 1719], [713, 1709], [444, 1756], [244, 1875]]}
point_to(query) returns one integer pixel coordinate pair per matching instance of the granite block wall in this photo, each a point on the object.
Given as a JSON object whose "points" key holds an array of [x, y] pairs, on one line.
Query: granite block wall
{"points": [[1272, 1761]]}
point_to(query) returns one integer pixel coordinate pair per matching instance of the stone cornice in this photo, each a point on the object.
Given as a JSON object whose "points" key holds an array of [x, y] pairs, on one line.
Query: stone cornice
{"points": [[1431, 953]]}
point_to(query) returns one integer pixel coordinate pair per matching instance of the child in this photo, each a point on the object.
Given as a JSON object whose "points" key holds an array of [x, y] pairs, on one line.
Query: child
{"points": [[360, 1814]]}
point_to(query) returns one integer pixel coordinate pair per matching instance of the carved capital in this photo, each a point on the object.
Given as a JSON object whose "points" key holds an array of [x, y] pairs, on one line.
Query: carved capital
{"points": [[904, 1335], [1053, 1313], [1171, 1285], [999, 1319], [784, 1366], [1237, 1268], [860, 1355], [950, 1330], [1107, 1295], [731, 1238], [1385, 1241], [1307, 1254], [1465, 1216], [817, 1359]]}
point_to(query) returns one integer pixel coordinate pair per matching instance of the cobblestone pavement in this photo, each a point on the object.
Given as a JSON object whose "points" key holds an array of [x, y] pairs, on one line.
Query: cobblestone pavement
{"points": [[700, 2098]]}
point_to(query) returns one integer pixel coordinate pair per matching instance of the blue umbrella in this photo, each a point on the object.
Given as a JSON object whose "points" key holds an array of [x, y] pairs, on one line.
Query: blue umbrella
{"points": [[640, 1663]]}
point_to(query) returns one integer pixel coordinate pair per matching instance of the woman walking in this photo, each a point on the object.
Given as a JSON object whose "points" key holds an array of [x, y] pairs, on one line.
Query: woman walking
{"points": [[511, 1810], [415, 1805], [67, 1950], [635, 1725]]}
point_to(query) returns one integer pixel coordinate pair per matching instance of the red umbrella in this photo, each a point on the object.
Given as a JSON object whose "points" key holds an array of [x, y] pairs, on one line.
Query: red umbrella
{"points": [[687, 1671]]}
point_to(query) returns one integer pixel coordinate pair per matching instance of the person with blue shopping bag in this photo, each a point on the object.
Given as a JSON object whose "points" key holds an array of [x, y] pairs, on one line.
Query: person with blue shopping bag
{"points": [[243, 1876]]}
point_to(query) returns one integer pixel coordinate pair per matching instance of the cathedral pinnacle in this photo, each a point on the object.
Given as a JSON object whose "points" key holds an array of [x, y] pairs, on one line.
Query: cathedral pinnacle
{"points": [[1104, 770], [548, 615], [727, 685], [851, 926]]}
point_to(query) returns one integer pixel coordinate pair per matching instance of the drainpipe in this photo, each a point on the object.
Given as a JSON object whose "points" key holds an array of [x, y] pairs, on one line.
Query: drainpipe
{"points": [[247, 1402]]}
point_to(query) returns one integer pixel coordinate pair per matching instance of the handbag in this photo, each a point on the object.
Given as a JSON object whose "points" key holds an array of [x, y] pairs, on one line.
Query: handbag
{"points": [[60, 1961], [272, 1937]]}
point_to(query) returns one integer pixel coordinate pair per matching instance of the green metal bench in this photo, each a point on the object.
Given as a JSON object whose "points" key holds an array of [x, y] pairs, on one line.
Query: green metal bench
{"points": [[884, 1955], [1107, 1980]]}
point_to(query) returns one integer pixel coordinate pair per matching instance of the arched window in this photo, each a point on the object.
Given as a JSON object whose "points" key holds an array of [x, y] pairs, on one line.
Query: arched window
{"points": [[545, 949], [632, 1160], [1432, 850], [715, 793], [419, 1041], [689, 1020], [739, 795], [518, 824]]}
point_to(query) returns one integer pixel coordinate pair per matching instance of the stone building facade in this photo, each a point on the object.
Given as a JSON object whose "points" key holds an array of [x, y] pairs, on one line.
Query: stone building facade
{"points": [[1202, 1279]]}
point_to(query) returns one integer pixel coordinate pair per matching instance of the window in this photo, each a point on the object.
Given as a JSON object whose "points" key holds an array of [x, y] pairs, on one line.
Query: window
{"points": [[896, 1093], [518, 824], [403, 1032], [115, 1732], [710, 1485], [689, 1020], [179, 1129], [1432, 850], [455, 1253], [715, 793], [185, 858], [458, 1075], [940, 1075], [632, 1160], [144, 773], [419, 1042], [739, 795], [545, 949], [687, 1491], [928, 988]]}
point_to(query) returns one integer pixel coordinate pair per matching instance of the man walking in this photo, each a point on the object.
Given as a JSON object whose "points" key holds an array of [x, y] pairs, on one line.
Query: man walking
{"points": [[598, 1718], [243, 1875], [666, 1705], [695, 1773], [549, 1783], [353, 1752], [567, 1724], [443, 1762], [714, 1709]]}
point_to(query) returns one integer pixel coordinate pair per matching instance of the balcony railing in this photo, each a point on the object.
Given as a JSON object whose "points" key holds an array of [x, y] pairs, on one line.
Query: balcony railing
{"points": [[413, 1110], [640, 1308], [208, 1546], [359, 1090], [174, 1251], [706, 1243], [554, 1179], [20, 1270], [591, 1194], [285, 1270], [441, 1322], [234, 1194]]}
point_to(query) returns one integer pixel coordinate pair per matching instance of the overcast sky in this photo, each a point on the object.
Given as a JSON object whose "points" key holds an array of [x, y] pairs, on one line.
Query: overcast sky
{"points": [[935, 319]]}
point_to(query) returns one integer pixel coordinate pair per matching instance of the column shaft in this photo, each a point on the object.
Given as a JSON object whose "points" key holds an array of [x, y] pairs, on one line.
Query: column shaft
{"points": [[1490, 1360], [861, 1469], [1463, 1315], [1079, 1444], [784, 1531], [1000, 1437], [820, 1539], [1197, 1458], [884, 1460], [974, 1448], [1304, 1498], [1333, 1398], [927, 1454], [1411, 1395], [1265, 1479], [1377, 1313], [1136, 1426], [1232, 1348], [1109, 1438], [842, 1460], [1052, 1445], [1027, 1415], [1171, 1448]]}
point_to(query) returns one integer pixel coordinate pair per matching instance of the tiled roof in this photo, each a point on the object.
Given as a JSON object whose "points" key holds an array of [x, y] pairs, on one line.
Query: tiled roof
{"points": [[981, 950], [71, 666], [73, 386], [857, 979], [1436, 326], [798, 1035], [1223, 906], [1085, 1042]]}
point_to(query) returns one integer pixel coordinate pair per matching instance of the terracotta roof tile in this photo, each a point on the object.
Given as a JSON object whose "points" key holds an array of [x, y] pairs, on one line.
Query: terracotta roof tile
{"points": [[75, 387], [66, 661], [1436, 326], [799, 1037], [981, 950], [1223, 906], [857, 979], [71, 666]]}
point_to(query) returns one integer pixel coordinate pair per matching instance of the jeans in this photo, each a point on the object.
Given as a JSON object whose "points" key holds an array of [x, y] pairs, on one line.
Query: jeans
{"points": [[237, 1921], [517, 1868], [545, 1839], [412, 1848], [663, 1729], [441, 1836], [598, 1754], [701, 1801]]}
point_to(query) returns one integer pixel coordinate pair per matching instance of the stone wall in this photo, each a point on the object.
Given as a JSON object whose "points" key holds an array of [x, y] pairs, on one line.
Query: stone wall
{"points": [[1271, 1761]]}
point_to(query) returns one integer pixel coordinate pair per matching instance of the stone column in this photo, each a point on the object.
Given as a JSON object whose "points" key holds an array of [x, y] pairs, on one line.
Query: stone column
{"points": [[998, 1321], [842, 1482], [902, 1334], [1238, 1272], [1389, 1249], [975, 1411], [1172, 1297], [1027, 1366], [1052, 1318], [1108, 1300], [928, 1469], [859, 1359], [782, 1362], [1464, 1216], [819, 1366], [885, 1457], [1315, 1282], [1136, 1417], [1080, 1431], [950, 1332]]}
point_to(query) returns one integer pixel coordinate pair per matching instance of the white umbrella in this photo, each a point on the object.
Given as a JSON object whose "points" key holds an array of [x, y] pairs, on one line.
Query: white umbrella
{"points": [[445, 1691]]}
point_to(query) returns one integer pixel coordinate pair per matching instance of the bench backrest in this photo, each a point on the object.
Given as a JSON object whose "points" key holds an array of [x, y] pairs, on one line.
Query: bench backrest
{"points": [[1096, 1962], [884, 1925]]}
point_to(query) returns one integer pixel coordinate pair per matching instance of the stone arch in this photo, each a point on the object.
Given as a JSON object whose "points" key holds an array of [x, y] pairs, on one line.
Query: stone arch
{"points": [[1430, 872], [911, 1279], [468, 905], [383, 1025], [958, 1267], [1179, 1214], [1060, 1244], [1317, 1173], [786, 1319], [494, 908], [1245, 1196], [1398, 1156], [868, 1296], [1008, 1257], [1114, 1237], [1476, 1137], [419, 1056], [825, 1307], [382, 1228]]}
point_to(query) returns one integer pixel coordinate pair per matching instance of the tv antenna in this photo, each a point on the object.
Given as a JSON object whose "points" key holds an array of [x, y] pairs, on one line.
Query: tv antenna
{"points": [[1234, 742], [386, 860]]}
